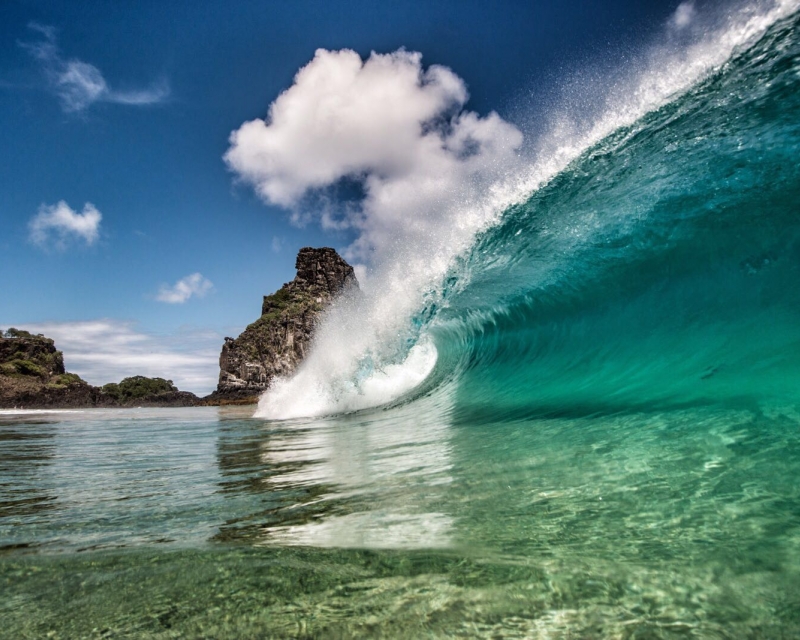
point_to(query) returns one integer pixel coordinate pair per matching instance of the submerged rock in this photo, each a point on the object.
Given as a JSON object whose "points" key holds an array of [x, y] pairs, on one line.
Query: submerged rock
{"points": [[276, 343]]}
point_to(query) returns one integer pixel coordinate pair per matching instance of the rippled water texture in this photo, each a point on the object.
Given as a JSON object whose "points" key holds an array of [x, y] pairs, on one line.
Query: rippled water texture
{"points": [[207, 523], [607, 446]]}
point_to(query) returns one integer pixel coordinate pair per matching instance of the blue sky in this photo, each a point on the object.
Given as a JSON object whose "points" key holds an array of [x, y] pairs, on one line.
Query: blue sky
{"points": [[123, 113]]}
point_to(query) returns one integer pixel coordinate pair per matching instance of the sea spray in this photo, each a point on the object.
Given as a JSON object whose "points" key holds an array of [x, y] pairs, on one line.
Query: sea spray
{"points": [[415, 273], [656, 271]]}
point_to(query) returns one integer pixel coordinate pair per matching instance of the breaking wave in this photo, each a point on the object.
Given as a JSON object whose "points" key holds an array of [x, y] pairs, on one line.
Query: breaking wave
{"points": [[648, 256]]}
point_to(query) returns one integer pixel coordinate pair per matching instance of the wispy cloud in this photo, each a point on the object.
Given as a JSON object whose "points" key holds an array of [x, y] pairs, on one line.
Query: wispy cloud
{"points": [[277, 244], [192, 285], [107, 350], [684, 16], [57, 224], [79, 84]]}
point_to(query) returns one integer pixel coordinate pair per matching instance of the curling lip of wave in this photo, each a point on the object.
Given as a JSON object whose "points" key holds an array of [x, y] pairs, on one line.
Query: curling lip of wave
{"points": [[333, 374], [379, 387]]}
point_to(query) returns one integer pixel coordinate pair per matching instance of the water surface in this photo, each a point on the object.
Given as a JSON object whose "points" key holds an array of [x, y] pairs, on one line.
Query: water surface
{"points": [[208, 523]]}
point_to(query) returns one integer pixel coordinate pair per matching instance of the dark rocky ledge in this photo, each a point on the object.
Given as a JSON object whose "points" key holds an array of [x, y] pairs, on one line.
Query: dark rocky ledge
{"points": [[32, 376], [276, 343]]}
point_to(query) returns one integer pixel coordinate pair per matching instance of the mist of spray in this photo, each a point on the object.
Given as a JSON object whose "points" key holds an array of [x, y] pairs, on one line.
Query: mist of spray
{"points": [[434, 175]]}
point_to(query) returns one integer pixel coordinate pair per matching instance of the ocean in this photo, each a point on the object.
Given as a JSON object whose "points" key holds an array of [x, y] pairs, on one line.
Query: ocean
{"points": [[589, 427]]}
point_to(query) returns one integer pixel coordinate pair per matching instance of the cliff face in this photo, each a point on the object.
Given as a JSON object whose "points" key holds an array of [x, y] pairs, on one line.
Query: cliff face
{"points": [[32, 376], [278, 341]]}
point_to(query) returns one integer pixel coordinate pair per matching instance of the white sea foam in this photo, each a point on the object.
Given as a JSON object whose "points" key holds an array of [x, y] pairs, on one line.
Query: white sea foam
{"points": [[379, 386], [28, 412], [360, 355]]}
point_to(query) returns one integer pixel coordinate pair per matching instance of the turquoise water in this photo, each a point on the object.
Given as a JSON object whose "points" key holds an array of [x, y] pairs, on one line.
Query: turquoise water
{"points": [[207, 523], [608, 445]]}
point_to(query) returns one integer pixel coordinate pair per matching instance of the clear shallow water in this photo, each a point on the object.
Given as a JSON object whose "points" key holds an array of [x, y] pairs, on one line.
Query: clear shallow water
{"points": [[607, 446], [208, 523]]}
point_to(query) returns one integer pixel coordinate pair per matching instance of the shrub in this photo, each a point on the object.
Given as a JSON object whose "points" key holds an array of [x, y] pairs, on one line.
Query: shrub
{"points": [[8, 369], [137, 387], [28, 368], [280, 297], [65, 379], [18, 333]]}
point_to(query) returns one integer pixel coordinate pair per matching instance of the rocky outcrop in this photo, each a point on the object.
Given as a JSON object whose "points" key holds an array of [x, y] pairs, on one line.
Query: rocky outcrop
{"points": [[141, 391], [278, 341], [24, 353], [32, 376]]}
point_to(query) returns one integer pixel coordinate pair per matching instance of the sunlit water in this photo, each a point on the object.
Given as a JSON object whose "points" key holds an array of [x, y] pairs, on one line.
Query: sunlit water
{"points": [[208, 523]]}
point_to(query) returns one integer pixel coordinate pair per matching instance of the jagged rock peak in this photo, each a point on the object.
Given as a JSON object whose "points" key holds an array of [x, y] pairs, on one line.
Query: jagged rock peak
{"points": [[323, 267], [276, 343]]}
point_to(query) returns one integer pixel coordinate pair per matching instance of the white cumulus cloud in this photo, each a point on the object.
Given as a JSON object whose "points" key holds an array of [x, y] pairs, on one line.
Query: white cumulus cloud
{"points": [[58, 223], [385, 149], [397, 129], [192, 285], [79, 84]]}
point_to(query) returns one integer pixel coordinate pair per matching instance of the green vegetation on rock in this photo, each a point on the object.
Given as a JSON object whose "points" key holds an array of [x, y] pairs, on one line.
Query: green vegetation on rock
{"points": [[137, 387], [32, 375], [17, 333], [277, 300], [23, 368], [65, 380]]}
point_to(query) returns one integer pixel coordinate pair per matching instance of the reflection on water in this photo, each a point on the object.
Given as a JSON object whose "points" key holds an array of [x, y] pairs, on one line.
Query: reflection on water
{"points": [[706, 488], [368, 482], [402, 525], [110, 478], [701, 484], [123, 478], [26, 487]]}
